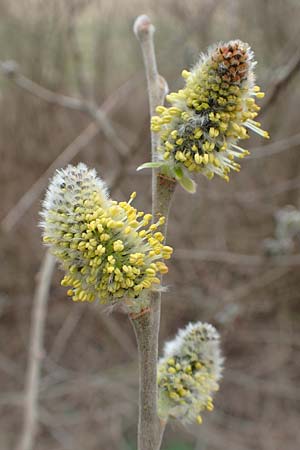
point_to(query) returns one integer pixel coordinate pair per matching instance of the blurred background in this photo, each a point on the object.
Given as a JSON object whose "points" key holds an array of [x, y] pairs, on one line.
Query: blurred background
{"points": [[85, 49]]}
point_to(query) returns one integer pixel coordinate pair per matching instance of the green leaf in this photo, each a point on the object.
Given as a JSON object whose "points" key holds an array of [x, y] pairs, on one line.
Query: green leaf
{"points": [[178, 172], [188, 184], [151, 165]]}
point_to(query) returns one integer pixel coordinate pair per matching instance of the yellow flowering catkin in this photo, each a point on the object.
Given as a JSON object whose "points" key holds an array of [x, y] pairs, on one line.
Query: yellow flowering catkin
{"points": [[189, 372], [200, 130], [108, 249]]}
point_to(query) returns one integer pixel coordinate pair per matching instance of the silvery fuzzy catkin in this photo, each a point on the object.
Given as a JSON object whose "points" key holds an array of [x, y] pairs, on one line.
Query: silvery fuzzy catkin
{"points": [[189, 372], [216, 108], [108, 249]]}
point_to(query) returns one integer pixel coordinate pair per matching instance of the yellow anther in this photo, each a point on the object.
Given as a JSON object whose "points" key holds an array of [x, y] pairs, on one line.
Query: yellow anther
{"points": [[182, 392], [213, 132], [160, 109], [198, 158], [111, 259], [174, 396], [188, 369], [163, 269], [185, 116], [209, 406], [167, 118], [198, 133], [180, 156], [150, 271], [174, 111], [118, 246], [185, 74], [208, 146], [171, 361], [199, 420], [127, 230], [169, 146]]}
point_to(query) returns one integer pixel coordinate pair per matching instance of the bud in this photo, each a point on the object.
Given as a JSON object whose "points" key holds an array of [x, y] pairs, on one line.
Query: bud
{"points": [[189, 372], [200, 130], [108, 249]]}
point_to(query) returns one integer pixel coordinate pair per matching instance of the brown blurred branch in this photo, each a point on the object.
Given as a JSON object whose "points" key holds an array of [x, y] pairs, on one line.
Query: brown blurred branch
{"points": [[266, 386], [81, 141], [11, 71], [258, 194], [27, 200], [39, 311], [236, 258], [65, 332], [236, 295], [284, 76], [275, 147]]}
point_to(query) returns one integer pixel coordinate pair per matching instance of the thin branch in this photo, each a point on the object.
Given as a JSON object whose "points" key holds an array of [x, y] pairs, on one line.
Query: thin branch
{"points": [[36, 353], [80, 142], [277, 189], [236, 295], [218, 256], [118, 333], [27, 200], [82, 83], [68, 327], [236, 258], [279, 389], [283, 77], [11, 71], [275, 147], [258, 194]]}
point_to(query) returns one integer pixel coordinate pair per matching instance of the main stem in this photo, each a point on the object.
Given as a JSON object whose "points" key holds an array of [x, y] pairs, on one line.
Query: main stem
{"points": [[146, 326]]}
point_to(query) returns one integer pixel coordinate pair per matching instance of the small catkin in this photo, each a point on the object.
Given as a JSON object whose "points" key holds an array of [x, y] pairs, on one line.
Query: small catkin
{"points": [[189, 372]]}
